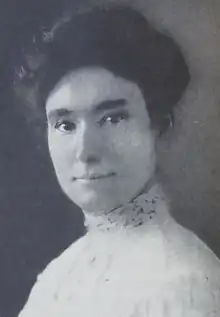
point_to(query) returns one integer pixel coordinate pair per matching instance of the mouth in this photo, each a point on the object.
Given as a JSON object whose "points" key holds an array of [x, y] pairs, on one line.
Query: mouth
{"points": [[94, 177]]}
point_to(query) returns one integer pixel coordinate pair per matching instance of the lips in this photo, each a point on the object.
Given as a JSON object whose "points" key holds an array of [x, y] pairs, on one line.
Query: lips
{"points": [[91, 177]]}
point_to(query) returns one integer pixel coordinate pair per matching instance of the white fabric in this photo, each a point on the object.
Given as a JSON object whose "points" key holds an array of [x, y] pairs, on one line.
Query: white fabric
{"points": [[135, 262]]}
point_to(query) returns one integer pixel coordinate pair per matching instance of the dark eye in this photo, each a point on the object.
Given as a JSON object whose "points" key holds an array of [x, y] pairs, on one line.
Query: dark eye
{"points": [[114, 118], [65, 126]]}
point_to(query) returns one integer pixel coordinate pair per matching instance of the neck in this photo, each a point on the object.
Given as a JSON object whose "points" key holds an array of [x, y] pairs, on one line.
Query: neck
{"points": [[149, 209]]}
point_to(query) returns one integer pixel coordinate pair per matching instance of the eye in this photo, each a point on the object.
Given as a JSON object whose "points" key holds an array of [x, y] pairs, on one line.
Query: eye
{"points": [[114, 118], [65, 126]]}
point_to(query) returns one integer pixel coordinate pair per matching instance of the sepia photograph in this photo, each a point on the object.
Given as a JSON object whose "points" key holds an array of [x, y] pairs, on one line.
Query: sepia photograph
{"points": [[110, 145]]}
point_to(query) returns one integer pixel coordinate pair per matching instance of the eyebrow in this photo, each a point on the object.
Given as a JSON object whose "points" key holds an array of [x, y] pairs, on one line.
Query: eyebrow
{"points": [[110, 104], [102, 106], [62, 112]]}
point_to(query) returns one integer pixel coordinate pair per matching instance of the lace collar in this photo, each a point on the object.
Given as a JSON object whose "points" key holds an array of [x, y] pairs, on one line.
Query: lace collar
{"points": [[150, 207]]}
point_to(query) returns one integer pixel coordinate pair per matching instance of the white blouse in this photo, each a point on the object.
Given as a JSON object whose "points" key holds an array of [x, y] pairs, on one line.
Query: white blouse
{"points": [[133, 262]]}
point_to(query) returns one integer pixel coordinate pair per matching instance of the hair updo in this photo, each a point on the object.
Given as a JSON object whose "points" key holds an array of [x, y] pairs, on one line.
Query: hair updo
{"points": [[117, 38]]}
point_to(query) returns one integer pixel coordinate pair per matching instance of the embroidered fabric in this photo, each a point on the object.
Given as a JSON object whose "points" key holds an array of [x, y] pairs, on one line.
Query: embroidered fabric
{"points": [[150, 206], [165, 272]]}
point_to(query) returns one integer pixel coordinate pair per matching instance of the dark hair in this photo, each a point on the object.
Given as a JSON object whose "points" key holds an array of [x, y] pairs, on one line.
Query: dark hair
{"points": [[116, 38]]}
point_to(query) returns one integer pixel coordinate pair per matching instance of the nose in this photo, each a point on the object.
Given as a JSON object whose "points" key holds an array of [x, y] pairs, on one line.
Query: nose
{"points": [[88, 144]]}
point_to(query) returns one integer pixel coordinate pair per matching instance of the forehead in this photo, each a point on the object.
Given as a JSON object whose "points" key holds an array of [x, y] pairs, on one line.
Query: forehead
{"points": [[84, 89]]}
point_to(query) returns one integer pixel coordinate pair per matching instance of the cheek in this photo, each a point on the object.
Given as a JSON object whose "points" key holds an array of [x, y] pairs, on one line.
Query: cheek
{"points": [[134, 146], [60, 151]]}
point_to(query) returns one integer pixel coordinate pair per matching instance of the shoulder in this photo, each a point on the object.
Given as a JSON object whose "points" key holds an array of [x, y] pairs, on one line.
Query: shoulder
{"points": [[199, 286], [196, 292], [195, 252], [43, 293]]}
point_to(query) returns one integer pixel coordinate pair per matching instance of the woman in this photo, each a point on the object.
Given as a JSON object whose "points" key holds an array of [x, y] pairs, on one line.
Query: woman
{"points": [[108, 83]]}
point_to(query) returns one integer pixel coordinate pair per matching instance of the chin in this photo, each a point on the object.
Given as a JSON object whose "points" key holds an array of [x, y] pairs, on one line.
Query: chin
{"points": [[102, 197], [96, 205]]}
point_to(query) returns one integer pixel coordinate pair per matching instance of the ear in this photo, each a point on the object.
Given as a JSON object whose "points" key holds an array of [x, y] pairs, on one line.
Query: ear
{"points": [[164, 142], [166, 124], [163, 134]]}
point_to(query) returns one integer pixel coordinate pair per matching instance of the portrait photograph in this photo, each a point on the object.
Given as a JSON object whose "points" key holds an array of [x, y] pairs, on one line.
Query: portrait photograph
{"points": [[110, 158]]}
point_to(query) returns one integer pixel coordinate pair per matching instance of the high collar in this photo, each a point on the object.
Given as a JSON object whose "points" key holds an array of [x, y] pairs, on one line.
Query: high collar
{"points": [[150, 208]]}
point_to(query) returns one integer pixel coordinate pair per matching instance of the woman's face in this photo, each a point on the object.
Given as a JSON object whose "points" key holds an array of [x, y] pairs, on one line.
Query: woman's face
{"points": [[100, 138]]}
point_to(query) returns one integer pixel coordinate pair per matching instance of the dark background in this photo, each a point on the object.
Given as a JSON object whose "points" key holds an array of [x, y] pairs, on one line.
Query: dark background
{"points": [[37, 222]]}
